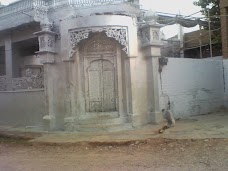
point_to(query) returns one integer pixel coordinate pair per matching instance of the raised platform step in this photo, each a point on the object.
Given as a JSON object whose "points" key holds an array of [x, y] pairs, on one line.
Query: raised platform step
{"points": [[94, 115], [103, 128], [101, 120], [98, 123]]}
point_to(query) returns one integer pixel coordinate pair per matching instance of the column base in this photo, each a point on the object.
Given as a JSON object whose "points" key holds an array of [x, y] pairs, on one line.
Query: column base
{"points": [[156, 117], [139, 120], [69, 124], [48, 122]]}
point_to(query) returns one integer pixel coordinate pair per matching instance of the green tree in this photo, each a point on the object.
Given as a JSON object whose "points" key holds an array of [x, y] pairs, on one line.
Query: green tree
{"points": [[212, 7]]}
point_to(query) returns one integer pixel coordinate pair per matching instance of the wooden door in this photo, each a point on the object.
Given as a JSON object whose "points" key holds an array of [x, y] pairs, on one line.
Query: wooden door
{"points": [[100, 76]]}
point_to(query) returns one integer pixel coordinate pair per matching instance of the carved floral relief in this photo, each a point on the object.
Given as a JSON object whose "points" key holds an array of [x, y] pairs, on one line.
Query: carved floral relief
{"points": [[118, 33]]}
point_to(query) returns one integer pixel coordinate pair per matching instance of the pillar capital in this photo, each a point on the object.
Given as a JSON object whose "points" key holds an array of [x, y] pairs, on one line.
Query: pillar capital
{"points": [[150, 35], [46, 46], [151, 42]]}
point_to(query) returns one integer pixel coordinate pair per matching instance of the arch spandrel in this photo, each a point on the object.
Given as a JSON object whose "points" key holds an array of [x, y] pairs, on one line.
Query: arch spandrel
{"points": [[100, 43], [118, 33]]}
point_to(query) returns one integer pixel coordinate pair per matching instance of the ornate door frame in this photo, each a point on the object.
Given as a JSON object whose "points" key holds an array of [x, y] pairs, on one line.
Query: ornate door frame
{"points": [[98, 51], [120, 37]]}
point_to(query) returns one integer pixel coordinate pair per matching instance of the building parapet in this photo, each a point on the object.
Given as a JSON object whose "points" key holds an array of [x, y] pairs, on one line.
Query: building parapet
{"points": [[24, 5], [87, 3], [21, 6]]}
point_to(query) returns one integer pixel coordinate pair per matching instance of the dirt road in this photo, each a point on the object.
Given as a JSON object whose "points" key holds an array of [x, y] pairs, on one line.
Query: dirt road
{"points": [[154, 154]]}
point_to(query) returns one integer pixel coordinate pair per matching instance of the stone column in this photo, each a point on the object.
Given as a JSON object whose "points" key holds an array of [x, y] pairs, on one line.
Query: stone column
{"points": [[47, 58], [9, 61], [151, 45]]}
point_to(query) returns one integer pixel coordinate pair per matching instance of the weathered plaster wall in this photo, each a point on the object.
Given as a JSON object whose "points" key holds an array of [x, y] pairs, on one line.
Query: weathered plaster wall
{"points": [[193, 86], [138, 69], [225, 67], [22, 108]]}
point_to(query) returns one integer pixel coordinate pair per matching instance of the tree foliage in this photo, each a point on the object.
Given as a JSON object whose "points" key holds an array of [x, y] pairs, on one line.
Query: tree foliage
{"points": [[212, 6]]}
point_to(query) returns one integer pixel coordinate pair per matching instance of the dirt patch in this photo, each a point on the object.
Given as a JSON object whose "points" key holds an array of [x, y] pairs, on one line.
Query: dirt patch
{"points": [[150, 154]]}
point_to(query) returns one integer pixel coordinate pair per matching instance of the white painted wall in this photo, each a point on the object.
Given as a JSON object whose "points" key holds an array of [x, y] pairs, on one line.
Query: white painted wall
{"points": [[225, 66], [193, 86]]}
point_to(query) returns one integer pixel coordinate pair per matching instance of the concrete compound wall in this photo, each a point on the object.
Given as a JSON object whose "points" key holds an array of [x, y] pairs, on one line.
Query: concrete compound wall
{"points": [[22, 108], [225, 66], [193, 86]]}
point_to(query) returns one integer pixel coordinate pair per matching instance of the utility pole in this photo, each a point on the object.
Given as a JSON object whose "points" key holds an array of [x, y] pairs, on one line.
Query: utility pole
{"points": [[181, 38], [200, 43]]}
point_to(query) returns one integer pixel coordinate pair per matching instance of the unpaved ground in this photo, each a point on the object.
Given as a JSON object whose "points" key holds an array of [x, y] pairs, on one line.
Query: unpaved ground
{"points": [[154, 154]]}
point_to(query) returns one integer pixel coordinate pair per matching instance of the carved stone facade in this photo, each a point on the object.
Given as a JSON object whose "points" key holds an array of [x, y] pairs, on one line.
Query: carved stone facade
{"points": [[41, 42], [3, 83], [30, 81], [96, 75]]}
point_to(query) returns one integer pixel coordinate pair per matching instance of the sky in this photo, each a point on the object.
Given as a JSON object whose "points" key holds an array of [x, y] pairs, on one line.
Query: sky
{"points": [[184, 7]]}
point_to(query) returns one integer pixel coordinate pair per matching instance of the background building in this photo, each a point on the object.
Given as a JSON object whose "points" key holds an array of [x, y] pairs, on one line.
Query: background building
{"points": [[197, 45], [224, 26], [171, 47]]}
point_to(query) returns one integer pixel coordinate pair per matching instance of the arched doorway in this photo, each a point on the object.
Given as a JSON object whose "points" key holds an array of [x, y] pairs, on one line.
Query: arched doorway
{"points": [[100, 73]]}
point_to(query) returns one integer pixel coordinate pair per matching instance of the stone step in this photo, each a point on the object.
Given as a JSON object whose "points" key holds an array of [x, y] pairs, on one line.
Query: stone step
{"points": [[101, 120], [97, 123], [94, 115], [103, 128]]}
